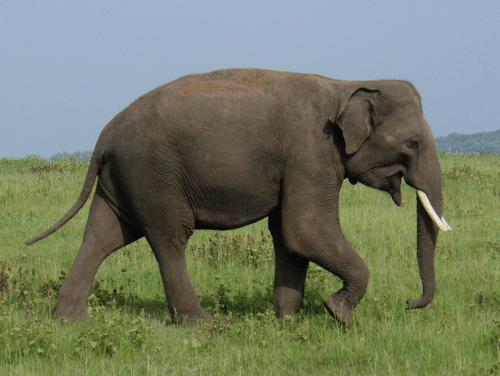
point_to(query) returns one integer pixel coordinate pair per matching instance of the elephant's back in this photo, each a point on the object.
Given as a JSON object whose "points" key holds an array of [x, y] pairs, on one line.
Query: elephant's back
{"points": [[237, 82]]}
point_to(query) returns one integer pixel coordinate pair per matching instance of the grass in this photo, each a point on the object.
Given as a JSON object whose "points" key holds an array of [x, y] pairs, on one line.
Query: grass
{"points": [[131, 332]]}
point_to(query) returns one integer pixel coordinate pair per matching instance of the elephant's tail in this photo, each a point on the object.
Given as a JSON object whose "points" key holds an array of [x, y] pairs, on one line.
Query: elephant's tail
{"points": [[92, 172]]}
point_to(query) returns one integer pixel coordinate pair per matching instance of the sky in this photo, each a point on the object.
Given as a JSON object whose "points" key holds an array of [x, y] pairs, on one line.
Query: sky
{"points": [[67, 68]]}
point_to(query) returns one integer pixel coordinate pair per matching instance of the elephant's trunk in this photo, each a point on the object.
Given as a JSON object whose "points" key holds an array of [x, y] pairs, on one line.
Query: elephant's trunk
{"points": [[429, 221]]}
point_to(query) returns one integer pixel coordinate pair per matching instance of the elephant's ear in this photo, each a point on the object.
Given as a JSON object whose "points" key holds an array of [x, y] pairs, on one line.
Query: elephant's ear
{"points": [[354, 117]]}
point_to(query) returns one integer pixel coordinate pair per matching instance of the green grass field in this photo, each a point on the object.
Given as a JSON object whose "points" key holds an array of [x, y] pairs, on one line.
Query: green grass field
{"points": [[131, 332]]}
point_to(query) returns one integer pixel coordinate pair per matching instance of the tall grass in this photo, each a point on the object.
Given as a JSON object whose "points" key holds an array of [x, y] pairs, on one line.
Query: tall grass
{"points": [[131, 332]]}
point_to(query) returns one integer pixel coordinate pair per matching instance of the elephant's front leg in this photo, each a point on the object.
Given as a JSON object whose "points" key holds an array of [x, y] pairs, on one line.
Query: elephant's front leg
{"points": [[289, 282], [311, 231], [290, 273], [351, 268]]}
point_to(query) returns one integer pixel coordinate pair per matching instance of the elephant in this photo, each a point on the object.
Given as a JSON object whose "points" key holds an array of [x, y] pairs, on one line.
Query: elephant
{"points": [[225, 149]]}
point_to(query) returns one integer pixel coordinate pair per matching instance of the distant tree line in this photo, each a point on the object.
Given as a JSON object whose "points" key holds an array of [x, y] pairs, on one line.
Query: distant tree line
{"points": [[79, 155], [482, 142]]}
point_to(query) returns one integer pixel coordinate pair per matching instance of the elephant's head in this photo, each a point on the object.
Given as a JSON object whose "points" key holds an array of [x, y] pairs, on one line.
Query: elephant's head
{"points": [[386, 139]]}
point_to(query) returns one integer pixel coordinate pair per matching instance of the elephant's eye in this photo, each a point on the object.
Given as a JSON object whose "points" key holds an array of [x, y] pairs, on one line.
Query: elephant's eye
{"points": [[413, 144]]}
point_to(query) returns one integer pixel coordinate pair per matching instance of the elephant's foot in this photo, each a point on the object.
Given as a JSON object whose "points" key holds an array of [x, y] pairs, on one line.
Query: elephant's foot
{"points": [[286, 301], [72, 304], [340, 309], [190, 319], [71, 312]]}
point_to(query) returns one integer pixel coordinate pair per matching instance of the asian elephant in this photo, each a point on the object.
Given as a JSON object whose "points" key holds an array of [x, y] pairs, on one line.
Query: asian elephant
{"points": [[224, 149]]}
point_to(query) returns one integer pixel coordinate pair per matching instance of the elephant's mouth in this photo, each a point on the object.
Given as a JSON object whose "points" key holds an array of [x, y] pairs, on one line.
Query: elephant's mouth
{"points": [[379, 179], [395, 188]]}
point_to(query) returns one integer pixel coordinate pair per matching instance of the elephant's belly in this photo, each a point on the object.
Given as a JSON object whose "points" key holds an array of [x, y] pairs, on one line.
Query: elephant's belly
{"points": [[229, 209]]}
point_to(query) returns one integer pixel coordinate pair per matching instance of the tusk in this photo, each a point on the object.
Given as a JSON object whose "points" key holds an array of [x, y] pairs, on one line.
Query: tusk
{"points": [[441, 222]]}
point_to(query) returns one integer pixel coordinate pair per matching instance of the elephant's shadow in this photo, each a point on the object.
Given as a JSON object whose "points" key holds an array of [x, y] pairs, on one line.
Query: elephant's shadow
{"points": [[219, 301]]}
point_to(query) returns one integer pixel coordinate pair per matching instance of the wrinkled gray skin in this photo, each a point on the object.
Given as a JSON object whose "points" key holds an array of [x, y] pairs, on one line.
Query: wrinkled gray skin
{"points": [[224, 149]]}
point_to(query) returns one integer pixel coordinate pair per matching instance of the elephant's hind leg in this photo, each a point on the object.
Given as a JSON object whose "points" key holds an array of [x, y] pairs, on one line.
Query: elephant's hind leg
{"points": [[167, 235], [182, 301], [104, 234]]}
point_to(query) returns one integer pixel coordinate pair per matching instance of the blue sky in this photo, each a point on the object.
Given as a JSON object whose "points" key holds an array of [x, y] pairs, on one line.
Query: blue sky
{"points": [[67, 68]]}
